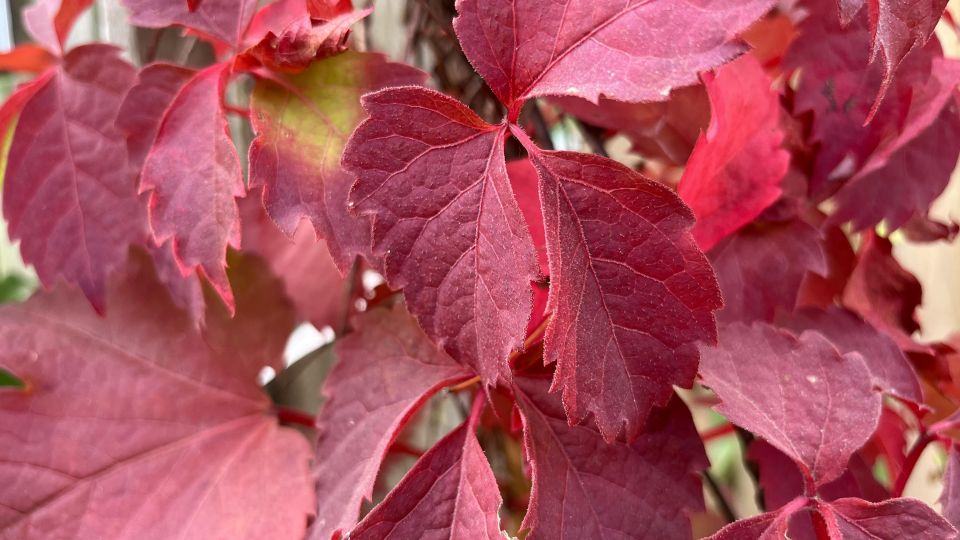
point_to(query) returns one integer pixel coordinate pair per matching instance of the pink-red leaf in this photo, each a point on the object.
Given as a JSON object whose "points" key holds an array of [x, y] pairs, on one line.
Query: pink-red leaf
{"points": [[630, 293], [799, 394], [385, 370], [68, 192], [140, 398], [524, 180], [745, 265], [50, 21], [292, 49], [950, 498], [194, 178], [585, 487], [432, 175], [735, 169], [889, 367], [856, 519], [629, 51], [223, 20], [449, 493], [302, 123], [768, 526]]}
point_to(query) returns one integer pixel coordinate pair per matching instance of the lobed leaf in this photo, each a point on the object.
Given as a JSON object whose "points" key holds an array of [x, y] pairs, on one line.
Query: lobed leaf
{"points": [[225, 21]]}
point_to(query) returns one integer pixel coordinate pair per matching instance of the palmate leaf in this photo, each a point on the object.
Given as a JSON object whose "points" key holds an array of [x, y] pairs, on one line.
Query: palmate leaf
{"points": [[137, 425]]}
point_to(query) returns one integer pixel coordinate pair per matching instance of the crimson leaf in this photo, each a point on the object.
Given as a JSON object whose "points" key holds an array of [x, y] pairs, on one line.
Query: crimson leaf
{"points": [[193, 175], [386, 369], [856, 519], [736, 166], [799, 394], [450, 493], [627, 306], [68, 193], [585, 487], [302, 123], [446, 223], [629, 51], [142, 396]]}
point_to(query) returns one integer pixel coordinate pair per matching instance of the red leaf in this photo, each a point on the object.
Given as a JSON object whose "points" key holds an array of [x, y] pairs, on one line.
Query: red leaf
{"points": [[629, 51], [823, 291], [761, 268], [655, 479], [293, 48], [303, 262], [28, 58], [273, 18], [735, 169], [523, 180], [49, 21], [950, 498], [68, 193], [856, 519], [450, 493], [799, 394], [665, 129], [141, 397], [222, 20], [194, 178], [144, 106], [883, 292], [888, 366], [445, 221], [630, 292], [769, 526], [185, 291], [386, 369], [924, 152], [302, 123]]}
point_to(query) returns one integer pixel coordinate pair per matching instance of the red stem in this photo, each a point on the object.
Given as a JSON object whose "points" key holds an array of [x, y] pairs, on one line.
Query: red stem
{"points": [[293, 416], [911, 462]]}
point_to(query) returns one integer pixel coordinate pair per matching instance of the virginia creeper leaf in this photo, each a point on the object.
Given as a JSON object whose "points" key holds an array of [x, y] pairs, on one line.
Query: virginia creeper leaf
{"points": [[799, 394], [139, 398], [309, 274], [273, 18], [194, 178], [664, 129], [222, 20], [49, 21], [630, 292], [301, 128], [68, 192], [889, 368], [735, 169], [144, 105], [768, 526], [293, 48], [524, 180], [585, 487], [950, 498], [449, 493], [432, 175], [856, 519], [386, 369], [29, 57], [628, 51], [743, 262]]}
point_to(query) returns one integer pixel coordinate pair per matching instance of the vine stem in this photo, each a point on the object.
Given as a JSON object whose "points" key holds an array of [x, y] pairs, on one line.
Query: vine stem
{"points": [[293, 416], [911, 462], [722, 502]]}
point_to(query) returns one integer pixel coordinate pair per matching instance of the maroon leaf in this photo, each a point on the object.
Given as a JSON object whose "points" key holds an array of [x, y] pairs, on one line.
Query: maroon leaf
{"points": [[799, 394], [144, 105], [856, 519], [629, 51], [924, 151], [450, 493], [302, 123], [386, 369], [654, 480], [432, 175], [950, 498], [735, 169], [309, 274], [762, 267], [194, 178], [769, 526], [49, 21], [222, 20], [524, 180], [68, 193], [140, 396], [666, 129], [630, 293]]}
